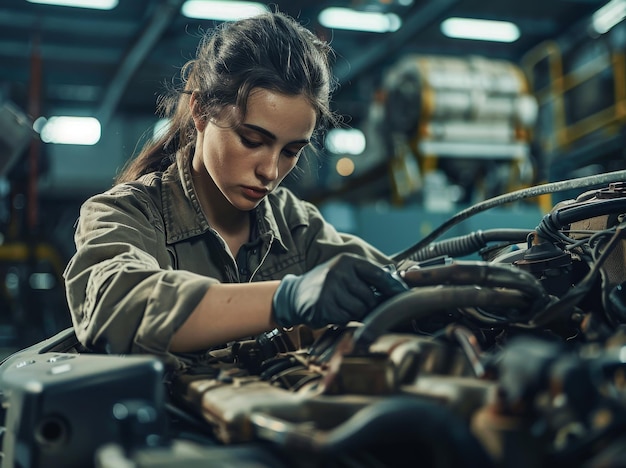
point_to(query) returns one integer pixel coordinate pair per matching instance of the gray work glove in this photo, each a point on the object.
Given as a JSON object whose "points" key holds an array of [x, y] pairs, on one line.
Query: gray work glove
{"points": [[345, 288]]}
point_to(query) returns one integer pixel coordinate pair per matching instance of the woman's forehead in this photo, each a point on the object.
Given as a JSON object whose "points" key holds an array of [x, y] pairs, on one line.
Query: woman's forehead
{"points": [[288, 116]]}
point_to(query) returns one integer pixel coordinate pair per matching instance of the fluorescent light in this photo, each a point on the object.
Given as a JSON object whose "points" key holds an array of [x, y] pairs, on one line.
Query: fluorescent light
{"points": [[71, 130], [93, 4], [483, 30], [346, 18], [608, 16], [345, 141], [41, 281], [222, 10], [39, 124]]}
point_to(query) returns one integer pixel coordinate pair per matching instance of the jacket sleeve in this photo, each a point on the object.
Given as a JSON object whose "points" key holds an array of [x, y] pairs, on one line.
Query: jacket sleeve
{"points": [[123, 295], [324, 242]]}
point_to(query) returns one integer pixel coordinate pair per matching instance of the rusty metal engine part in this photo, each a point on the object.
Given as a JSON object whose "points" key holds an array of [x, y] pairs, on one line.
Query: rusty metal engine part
{"points": [[513, 360], [524, 349]]}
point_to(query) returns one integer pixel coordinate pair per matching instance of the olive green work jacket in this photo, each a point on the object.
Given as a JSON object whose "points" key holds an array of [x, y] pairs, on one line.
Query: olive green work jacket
{"points": [[146, 255]]}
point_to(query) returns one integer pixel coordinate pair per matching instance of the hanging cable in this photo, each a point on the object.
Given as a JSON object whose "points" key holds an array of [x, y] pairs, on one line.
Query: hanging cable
{"points": [[553, 187]]}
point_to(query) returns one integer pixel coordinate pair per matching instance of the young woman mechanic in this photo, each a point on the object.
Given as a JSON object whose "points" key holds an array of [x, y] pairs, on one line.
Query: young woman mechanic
{"points": [[196, 245]]}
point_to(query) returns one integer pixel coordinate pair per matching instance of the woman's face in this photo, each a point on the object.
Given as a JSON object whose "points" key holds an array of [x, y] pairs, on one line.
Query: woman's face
{"points": [[247, 162]]}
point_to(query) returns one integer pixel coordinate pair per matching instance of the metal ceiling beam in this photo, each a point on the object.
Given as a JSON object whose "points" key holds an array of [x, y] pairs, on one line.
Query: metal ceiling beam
{"points": [[412, 25], [16, 49], [161, 18], [87, 26]]}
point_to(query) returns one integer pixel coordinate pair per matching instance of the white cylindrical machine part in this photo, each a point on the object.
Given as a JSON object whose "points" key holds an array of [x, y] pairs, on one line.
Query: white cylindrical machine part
{"points": [[499, 132]]}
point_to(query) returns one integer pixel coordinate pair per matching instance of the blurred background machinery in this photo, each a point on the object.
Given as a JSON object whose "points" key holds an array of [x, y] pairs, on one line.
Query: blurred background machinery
{"points": [[463, 119], [433, 121]]}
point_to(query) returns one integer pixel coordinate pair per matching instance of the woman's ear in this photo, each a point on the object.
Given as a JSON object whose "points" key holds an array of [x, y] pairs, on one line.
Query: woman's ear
{"points": [[199, 119]]}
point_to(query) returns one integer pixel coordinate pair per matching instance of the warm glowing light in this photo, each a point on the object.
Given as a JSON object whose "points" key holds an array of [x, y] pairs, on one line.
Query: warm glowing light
{"points": [[479, 29], [222, 10], [345, 167], [71, 130], [369, 21]]}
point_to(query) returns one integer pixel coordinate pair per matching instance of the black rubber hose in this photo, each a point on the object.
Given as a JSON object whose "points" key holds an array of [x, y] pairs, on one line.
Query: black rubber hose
{"points": [[470, 243], [568, 215], [478, 273], [553, 187], [422, 302], [399, 419]]}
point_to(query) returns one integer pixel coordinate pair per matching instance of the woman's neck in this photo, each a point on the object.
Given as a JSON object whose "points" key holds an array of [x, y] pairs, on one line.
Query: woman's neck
{"points": [[232, 224]]}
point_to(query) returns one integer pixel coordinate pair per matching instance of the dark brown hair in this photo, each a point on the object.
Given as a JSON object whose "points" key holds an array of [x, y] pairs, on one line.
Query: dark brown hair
{"points": [[271, 51]]}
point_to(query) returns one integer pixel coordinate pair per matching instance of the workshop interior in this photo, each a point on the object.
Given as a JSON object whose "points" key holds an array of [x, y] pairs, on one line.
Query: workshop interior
{"points": [[483, 141]]}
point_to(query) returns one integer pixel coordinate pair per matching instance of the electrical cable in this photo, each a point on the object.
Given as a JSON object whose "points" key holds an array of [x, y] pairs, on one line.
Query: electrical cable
{"points": [[553, 187], [575, 295]]}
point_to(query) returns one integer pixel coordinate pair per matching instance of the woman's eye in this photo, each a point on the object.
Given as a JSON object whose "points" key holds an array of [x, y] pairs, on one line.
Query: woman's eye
{"points": [[292, 153], [249, 143]]}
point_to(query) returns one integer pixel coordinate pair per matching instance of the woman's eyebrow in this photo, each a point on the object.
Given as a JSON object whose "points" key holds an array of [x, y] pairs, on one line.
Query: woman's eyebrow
{"points": [[270, 135]]}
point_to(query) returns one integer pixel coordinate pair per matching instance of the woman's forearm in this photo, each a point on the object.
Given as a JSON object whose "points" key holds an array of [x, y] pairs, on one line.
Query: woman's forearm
{"points": [[227, 312]]}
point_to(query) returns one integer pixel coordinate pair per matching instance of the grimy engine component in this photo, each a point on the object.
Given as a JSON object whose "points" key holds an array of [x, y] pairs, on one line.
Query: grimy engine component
{"points": [[614, 199], [516, 359]]}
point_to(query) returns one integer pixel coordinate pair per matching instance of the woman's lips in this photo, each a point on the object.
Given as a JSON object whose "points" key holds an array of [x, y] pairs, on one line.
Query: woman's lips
{"points": [[255, 192]]}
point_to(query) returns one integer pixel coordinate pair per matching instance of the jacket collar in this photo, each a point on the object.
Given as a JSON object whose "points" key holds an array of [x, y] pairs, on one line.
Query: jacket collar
{"points": [[182, 215]]}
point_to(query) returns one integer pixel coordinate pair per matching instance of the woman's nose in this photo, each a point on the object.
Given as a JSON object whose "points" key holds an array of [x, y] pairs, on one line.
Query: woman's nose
{"points": [[267, 168]]}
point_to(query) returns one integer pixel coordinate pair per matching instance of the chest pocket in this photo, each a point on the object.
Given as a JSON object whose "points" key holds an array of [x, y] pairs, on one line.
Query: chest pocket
{"points": [[200, 255]]}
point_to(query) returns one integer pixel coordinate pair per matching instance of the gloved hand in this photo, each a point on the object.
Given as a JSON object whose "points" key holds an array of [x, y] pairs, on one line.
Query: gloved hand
{"points": [[345, 288]]}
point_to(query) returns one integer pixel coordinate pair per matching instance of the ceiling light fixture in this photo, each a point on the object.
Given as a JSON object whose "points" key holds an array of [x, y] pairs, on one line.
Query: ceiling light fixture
{"points": [[481, 30], [368, 21], [222, 10], [69, 130], [93, 4], [608, 16]]}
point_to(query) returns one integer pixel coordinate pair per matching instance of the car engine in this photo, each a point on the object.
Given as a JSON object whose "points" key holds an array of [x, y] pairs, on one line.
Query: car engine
{"points": [[508, 350]]}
